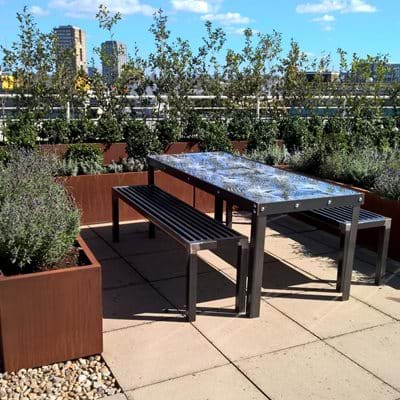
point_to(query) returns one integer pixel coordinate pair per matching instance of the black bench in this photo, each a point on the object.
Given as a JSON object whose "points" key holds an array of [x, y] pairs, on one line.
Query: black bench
{"points": [[192, 229], [340, 217]]}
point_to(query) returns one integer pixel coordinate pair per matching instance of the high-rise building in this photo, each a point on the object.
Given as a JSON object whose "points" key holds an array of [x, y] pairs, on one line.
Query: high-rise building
{"points": [[74, 38], [114, 58]]}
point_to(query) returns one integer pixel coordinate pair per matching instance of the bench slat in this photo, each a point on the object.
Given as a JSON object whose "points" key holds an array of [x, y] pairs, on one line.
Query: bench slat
{"points": [[190, 225], [342, 215]]}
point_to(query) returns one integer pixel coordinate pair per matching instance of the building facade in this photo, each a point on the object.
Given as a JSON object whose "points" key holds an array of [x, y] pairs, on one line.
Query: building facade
{"points": [[74, 38], [114, 56]]}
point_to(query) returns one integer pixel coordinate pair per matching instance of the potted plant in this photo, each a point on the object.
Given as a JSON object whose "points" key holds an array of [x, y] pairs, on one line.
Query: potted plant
{"points": [[50, 282]]}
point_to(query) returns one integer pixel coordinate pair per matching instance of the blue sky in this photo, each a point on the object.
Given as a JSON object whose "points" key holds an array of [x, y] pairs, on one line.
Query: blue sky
{"points": [[320, 26]]}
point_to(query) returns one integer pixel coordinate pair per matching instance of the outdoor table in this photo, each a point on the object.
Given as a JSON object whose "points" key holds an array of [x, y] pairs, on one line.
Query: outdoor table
{"points": [[262, 190]]}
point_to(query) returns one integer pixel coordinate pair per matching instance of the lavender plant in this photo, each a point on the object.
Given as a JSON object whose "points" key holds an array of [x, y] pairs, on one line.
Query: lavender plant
{"points": [[39, 221]]}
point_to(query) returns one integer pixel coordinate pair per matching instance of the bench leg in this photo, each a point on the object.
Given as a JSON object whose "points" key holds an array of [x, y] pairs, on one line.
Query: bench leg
{"points": [[340, 263], [348, 253], [229, 214], [241, 277], [191, 287], [218, 208], [115, 217], [152, 231], [383, 245]]}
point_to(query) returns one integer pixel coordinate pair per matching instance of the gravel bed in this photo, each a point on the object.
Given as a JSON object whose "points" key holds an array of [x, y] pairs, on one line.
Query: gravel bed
{"points": [[86, 378]]}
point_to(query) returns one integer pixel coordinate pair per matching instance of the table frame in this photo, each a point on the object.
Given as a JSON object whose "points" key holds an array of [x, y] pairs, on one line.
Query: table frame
{"points": [[259, 221]]}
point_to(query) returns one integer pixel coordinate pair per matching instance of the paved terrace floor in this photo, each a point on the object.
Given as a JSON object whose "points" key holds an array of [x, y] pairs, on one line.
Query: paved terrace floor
{"points": [[306, 345]]}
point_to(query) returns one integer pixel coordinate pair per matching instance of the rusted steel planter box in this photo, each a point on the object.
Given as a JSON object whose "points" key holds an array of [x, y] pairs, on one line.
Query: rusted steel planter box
{"points": [[51, 316], [117, 150], [93, 194]]}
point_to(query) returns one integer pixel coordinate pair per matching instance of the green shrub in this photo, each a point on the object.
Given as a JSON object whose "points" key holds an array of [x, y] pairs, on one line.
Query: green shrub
{"points": [[274, 155], [140, 140], [359, 168], [192, 126], [108, 130], [21, 132], [387, 184], [4, 154], [335, 136], [214, 137], [294, 132], [81, 159], [84, 152], [315, 135], [308, 160], [167, 131], [82, 130], [126, 165], [263, 136], [39, 222], [240, 127], [54, 131]]}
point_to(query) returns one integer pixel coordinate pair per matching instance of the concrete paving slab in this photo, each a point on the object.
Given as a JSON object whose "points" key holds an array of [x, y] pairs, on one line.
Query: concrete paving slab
{"points": [[376, 349], [152, 353], [294, 246], [385, 298], [132, 305], [224, 382], [116, 273], [164, 265], [325, 267], [240, 338], [313, 372], [214, 290], [325, 315], [101, 250], [294, 224]]}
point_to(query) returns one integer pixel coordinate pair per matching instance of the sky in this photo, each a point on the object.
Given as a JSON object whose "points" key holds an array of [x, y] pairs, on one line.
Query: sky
{"points": [[319, 26]]}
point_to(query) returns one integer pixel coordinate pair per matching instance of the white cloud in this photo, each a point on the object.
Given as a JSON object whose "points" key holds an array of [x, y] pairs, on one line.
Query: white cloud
{"points": [[343, 6], [196, 6], [38, 11], [88, 8], [360, 6], [230, 18], [324, 18], [323, 6]]}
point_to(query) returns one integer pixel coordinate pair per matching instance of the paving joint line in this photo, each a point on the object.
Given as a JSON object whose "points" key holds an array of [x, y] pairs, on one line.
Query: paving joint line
{"points": [[176, 377], [362, 367], [201, 333], [325, 341]]}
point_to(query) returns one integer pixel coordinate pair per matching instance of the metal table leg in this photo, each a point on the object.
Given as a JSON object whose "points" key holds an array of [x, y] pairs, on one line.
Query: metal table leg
{"points": [[115, 217], [256, 264], [383, 246], [348, 253], [191, 287], [150, 181], [229, 212], [241, 277], [218, 208]]}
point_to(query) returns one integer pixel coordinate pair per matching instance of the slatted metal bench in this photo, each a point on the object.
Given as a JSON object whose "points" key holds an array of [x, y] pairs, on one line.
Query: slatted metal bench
{"points": [[340, 217], [192, 229]]}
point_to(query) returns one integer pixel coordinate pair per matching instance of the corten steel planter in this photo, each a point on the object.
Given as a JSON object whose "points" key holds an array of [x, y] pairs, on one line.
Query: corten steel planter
{"points": [[92, 194], [51, 316], [116, 151]]}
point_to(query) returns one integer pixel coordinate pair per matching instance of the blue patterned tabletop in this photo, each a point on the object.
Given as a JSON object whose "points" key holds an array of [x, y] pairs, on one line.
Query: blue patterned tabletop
{"points": [[252, 180]]}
